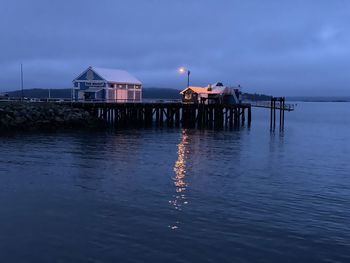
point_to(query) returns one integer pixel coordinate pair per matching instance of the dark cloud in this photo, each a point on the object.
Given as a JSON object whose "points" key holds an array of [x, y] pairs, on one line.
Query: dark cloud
{"points": [[280, 47]]}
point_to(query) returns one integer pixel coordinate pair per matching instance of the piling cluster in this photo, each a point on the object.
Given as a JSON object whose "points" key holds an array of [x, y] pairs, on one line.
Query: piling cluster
{"points": [[170, 114]]}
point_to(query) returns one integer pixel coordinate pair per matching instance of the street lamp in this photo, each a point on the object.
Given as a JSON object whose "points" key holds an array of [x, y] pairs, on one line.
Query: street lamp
{"points": [[183, 70]]}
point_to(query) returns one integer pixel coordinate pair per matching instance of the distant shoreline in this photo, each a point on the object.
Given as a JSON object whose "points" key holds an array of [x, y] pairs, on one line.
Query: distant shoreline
{"points": [[318, 99], [171, 94], [338, 101]]}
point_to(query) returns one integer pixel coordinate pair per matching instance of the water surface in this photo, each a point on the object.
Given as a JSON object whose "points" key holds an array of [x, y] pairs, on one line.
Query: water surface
{"points": [[160, 195]]}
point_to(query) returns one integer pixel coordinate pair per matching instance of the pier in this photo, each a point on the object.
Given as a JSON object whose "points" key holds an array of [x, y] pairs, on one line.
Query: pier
{"points": [[64, 114], [170, 114], [276, 104]]}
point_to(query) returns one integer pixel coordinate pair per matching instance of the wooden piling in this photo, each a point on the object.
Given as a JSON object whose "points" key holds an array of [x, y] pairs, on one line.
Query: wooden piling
{"points": [[161, 116], [249, 115], [201, 115], [243, 116]]}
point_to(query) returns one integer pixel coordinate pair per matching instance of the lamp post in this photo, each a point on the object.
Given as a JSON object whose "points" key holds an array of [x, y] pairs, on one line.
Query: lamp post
{"points": [[183, 70]]}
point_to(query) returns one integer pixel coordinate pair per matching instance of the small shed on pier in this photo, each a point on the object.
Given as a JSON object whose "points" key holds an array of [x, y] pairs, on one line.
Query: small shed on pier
{"points": [[215, 93], [110, 85]]}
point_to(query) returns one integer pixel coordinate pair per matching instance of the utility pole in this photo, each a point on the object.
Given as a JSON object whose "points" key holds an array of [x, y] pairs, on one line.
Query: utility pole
{"points": [[22, 82]]}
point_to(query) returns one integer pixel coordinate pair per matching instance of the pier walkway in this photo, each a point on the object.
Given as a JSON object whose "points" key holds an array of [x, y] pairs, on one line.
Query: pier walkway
{"points": [[267, 105]]}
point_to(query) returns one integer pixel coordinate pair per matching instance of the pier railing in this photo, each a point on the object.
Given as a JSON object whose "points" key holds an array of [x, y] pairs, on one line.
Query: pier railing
{"points": [[267, 104]]}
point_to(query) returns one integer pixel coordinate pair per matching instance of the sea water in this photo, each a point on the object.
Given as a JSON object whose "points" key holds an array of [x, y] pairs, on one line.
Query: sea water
{"points": [[179, 195]]}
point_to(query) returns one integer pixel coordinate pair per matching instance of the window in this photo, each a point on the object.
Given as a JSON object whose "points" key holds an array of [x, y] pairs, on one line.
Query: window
{"points": [[130, 95], [137, 95]]}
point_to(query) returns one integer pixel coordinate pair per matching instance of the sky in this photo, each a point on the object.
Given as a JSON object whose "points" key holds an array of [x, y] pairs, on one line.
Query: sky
{"points": [[275, 47]]}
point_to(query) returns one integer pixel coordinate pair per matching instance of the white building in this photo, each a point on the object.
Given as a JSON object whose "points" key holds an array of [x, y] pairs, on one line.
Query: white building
{"points": [[111, 85]]}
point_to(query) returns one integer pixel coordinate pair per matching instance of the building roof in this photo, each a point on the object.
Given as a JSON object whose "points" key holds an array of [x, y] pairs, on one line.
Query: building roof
{"points": [[210, 89], [112, 75], [195, 89], [116, 75], [206, 90]]}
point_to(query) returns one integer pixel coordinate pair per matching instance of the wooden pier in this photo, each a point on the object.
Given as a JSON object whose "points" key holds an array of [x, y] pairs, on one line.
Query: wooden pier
{"points": [[212, 116], [275, 104], [278, 104]]}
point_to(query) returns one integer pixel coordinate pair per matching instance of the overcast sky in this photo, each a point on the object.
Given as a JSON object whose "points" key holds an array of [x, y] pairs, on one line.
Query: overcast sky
{"points": [[275, 47]]}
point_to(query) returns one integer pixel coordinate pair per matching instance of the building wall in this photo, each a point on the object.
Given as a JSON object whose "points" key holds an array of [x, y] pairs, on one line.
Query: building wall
{"points": [[131, 94], [122, 95], [90, 75], [111, 94], [114, 94], [138, 95], [190, 96], [85, 85], [101, 95], [127, 92], [89, 79]]}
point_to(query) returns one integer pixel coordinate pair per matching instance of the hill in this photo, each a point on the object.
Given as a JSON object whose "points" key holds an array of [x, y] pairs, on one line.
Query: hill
{"points": [[148, 93], [41, 93]]}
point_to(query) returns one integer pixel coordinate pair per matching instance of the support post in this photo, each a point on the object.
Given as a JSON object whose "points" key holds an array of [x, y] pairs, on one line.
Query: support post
{"points": [[271, 113], [231, 118], [249, 115], [177, 117], [274, 114], [243, 116], [161, 116], [281, 110]]}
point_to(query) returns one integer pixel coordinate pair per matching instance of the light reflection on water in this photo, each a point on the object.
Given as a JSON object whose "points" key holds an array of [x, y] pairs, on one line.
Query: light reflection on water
{"points": [[179, 198]]}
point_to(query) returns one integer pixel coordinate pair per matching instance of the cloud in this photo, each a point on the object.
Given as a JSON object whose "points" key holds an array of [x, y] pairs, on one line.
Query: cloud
{"points": [[288, 47]]}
